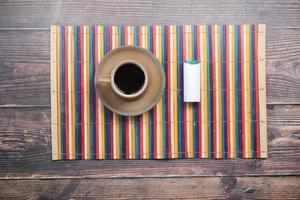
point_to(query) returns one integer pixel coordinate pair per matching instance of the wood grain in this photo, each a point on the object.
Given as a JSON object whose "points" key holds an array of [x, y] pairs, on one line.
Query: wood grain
{"points": [[25, 67], [153, 188], [25, 152], [33, 46], [29, 84], [41, 14], [26, 169]]}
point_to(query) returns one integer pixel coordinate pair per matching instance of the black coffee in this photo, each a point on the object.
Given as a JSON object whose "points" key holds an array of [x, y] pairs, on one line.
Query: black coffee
{"points": [[129, 78]]}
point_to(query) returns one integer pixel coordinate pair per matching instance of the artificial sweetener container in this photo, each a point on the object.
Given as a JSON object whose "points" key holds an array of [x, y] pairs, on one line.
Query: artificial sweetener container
{"points": [[191, 81]]}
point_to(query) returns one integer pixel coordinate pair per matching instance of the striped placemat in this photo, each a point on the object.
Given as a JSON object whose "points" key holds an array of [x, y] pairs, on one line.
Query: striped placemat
{"points": [[229, 122]]}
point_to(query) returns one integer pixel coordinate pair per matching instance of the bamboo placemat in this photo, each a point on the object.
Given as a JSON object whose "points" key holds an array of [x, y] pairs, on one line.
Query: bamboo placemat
{"points": [[229, 122]]}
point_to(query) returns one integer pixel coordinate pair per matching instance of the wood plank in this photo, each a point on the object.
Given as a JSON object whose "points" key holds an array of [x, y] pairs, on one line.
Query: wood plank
{"points": [[33, 46], [153, 188], [24, 84], [25, 67], [25, 151], [283, 82], [41, 14], [29, 83], [25, 46]]}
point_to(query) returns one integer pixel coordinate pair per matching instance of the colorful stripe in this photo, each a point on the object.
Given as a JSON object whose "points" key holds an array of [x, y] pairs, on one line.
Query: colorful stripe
{"points": [[229, 122]]}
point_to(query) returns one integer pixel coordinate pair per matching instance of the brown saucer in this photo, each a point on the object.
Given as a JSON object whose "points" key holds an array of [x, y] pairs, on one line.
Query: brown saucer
{"points": [[129, 80]]}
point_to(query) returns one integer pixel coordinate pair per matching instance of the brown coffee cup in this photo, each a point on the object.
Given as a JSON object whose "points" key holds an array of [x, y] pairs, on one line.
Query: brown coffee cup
{"points": [[129, 80]]}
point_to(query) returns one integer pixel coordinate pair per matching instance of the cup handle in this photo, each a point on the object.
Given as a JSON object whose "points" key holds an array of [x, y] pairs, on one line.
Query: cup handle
{"points": [[103, 80]]}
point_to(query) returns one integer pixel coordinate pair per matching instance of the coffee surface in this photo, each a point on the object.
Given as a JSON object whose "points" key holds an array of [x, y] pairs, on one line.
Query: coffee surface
{"points": [[129, 78]]}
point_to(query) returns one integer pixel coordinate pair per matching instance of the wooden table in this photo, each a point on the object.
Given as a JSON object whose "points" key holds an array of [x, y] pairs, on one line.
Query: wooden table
{"points": [[26, 168]]}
